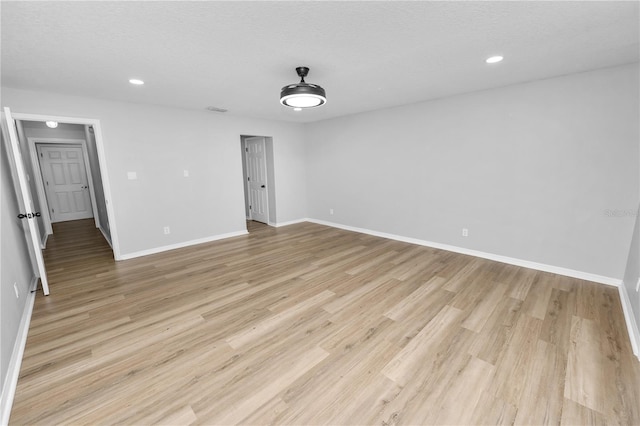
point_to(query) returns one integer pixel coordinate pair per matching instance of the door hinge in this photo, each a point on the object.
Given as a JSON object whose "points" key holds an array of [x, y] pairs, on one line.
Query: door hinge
{"points": [[249, 207], [41, 155], [249, 179], [246, 150]]}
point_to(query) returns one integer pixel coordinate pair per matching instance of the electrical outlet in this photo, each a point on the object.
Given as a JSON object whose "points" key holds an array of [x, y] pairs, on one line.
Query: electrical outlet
{"points": [[465, 232], [15, 288], [330, 211], [167, 230]]}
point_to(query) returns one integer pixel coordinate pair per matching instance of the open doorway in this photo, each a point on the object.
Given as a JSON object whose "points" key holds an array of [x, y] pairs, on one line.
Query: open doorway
{"points": [[85, 133], [259, 181], [67, 180]]}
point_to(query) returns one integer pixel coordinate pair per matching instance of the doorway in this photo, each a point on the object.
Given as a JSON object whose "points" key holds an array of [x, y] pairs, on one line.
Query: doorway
{"points": [[259, 180], [32, 187]]}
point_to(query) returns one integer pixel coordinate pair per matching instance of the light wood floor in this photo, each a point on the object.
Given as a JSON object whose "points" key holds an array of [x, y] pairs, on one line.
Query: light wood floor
{"points": [[312, 325]]}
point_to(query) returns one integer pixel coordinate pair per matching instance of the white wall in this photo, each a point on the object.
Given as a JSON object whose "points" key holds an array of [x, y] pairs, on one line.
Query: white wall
{"points": [[531, 170], [158, 144]]}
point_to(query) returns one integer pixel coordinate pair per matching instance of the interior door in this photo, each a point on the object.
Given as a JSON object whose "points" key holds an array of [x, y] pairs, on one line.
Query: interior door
{"points": [[65, 182], [257, 179], [24, 197]]}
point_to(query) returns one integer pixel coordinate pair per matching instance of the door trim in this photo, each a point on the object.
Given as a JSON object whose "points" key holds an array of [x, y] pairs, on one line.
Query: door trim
{"points": [[102, 161], [35, 160], [264, 159]]}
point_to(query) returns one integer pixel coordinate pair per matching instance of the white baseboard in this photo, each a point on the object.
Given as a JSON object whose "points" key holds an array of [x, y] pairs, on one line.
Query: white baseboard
{"points": [[632, 325], [498, 258], [13, 371], [180, 245], [291, 222]]}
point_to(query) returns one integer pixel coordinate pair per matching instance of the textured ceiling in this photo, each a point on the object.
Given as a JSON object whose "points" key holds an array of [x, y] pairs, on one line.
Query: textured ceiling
{"points": [[367, 55]]}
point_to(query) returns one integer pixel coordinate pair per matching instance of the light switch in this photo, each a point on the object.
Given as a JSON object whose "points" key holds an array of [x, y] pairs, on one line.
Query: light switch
{"points": [[186, 173], [132, 175]]}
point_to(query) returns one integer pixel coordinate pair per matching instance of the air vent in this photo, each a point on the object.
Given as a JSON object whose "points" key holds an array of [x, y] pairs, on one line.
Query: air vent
{"points": [[216, 109]]}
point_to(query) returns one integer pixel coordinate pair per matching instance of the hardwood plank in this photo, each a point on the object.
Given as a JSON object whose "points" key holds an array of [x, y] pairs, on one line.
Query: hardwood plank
{"points": [[307, 324]]}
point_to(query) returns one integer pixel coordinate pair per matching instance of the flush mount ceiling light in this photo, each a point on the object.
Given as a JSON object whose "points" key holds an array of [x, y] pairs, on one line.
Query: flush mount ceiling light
{"points": [[303, 94], [136, 81], [51, 124], [494, 59]]}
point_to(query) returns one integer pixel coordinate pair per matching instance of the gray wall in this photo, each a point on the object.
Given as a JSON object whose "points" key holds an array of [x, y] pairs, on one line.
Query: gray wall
{"points": [[159, 143], [15, 266], [96, 177], [38, 129], [632, 272], [531, 170]]}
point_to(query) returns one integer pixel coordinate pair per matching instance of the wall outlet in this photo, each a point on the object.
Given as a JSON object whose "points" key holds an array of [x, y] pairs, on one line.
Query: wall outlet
{"points": [[330, 211], [167, 230], [465, 232], [15, 288]]}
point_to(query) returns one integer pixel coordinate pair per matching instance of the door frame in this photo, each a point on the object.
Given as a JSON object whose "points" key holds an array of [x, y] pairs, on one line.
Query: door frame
{"points": [[264, 158], [42, 196], [102, 162], [24, 196]]}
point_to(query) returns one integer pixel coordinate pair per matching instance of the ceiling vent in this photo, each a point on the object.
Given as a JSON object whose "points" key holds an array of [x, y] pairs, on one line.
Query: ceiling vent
{"points": [[216, 109]]}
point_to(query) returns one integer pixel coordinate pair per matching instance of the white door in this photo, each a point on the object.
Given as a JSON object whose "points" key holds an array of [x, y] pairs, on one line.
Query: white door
{"points": [[65, 182], [257, 179], [25, 199]]}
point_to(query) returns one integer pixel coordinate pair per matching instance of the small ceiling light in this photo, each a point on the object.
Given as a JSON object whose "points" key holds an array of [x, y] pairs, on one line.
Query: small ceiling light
{"points": [[494, 59], [51, 124], [303, 94], [136, 81]]}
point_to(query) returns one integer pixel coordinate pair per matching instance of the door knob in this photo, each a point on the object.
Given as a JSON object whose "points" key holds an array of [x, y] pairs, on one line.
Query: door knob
{"points": [[262, 186]]}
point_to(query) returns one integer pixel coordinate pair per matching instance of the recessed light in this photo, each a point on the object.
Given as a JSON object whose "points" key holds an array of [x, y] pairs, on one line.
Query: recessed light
{"points": [[494, 59], [297, 109], [136, 82], [51, 124]]}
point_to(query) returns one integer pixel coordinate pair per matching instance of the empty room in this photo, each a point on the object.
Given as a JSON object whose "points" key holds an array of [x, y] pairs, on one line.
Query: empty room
{"points": [[319, 212]]}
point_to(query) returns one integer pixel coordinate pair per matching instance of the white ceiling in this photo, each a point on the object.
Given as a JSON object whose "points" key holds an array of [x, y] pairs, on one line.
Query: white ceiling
{"points": [[367, 55]]}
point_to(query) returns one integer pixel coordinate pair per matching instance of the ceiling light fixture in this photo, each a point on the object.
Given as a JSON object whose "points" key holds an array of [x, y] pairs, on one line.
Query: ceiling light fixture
{"points": [[51, 124], [136, 81], [494, 59], [303, 94]]}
